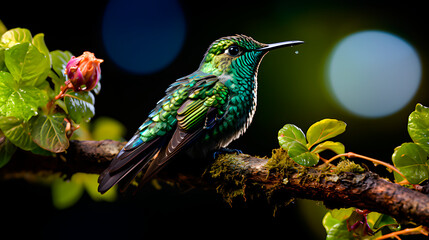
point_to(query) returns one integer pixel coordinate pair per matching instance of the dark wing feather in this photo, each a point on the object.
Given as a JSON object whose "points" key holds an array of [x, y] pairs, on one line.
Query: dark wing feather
{"points": [[182, 137], [180, 141]]}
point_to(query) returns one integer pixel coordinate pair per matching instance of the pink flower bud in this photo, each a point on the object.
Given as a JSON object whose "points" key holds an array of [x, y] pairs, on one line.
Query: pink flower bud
{"points": [[84, 71]]}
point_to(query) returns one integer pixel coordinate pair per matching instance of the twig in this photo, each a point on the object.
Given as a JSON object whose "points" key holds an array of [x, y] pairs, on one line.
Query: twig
{"points": [[407, 231]]}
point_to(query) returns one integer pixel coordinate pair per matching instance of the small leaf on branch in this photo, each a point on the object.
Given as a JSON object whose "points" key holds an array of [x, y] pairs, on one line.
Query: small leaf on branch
{"points": [[296, 149], [18, 132], [412, 161], [379, 221], [292, 139], [27, 64], [323, 130], [307, 159], [49, 132], [289, 134], [336, 147], [418, 126], [14, 36], [59, 62], [39, 43], [80, 105], [21, 102], [339, 231]]}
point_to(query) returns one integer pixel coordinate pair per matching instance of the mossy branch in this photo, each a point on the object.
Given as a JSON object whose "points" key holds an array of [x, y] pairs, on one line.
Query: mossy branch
{"points": [[278, 179]]}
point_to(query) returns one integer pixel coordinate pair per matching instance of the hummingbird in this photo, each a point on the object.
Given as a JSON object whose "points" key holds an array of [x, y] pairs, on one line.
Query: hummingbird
{"points": [[200, 113]]}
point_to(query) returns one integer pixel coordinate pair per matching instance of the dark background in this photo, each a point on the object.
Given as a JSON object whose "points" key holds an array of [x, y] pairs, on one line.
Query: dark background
{"points": [[298, 96]]}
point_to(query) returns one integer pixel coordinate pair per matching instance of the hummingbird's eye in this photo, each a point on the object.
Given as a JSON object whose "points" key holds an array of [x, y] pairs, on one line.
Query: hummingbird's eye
{"points": [[233, 50]]}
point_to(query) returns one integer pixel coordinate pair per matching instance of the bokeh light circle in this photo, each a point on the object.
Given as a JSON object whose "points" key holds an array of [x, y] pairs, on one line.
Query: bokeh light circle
{"points": [[143, 37], [373, 73]]}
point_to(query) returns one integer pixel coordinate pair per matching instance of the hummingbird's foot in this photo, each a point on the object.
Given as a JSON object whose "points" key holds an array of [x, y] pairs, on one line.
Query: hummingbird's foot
{"points": [[224, 151]]}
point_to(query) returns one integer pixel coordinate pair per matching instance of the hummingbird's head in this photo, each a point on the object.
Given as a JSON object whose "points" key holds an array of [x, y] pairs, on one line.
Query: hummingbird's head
{"points": [[228, 54]]}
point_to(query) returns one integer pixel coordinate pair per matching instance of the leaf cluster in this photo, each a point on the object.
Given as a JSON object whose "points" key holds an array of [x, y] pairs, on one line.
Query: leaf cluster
{"points": [[30, 78], [338, 224], [303, 148], [411, 158]]}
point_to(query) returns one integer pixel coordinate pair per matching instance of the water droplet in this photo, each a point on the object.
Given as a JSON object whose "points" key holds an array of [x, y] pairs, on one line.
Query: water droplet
{"points": [[296, 52]]}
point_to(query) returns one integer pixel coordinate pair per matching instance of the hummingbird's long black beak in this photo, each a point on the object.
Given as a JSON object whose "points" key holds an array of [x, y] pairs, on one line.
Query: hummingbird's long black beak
{"points": [[279, 45]]}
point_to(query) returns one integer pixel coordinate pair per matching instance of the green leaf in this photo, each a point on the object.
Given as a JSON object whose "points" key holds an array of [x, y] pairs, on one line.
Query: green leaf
{"points": [[323, 130], [339, 232], [329, 221], [18, 132], [39, 43], [40, 151], [307, 159], [97, 88], [66, 193], [300, 154], [2, 63], [15, 36], [27, 64], [21, 102], [80, 105], [412, 161], [49, 132], [418, 126], [292, 139], [342, 213], [3, 28], [378, 220], [336, 147], [335, 223], [7, 86], [290, 134], [7, 149], [59, 62]]}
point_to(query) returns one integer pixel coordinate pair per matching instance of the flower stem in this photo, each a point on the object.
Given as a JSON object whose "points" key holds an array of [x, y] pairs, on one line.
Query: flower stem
{"points": [[60, 95], [68, 85]]}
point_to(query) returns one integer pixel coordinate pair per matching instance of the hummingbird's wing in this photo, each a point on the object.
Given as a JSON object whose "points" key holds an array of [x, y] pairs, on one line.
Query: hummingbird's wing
{"points": [[192, 105]]}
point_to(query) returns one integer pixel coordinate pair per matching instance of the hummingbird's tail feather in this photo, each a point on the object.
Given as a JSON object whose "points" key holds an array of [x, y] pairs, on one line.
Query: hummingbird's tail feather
{"points": [[178, 142], [128, 163], [148, 158]]}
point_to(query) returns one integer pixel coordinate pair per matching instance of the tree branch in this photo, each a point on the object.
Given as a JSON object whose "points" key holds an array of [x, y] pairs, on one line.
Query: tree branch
{"points": [[249, 177], [81, 156]]}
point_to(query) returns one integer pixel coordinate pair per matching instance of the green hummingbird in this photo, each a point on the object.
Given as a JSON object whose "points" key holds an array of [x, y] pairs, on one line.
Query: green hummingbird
{"points": [[201, 113]]}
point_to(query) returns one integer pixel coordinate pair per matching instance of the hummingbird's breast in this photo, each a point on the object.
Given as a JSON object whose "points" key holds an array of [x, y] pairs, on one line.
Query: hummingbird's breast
{"points": [[241, 109], [238, 115]]}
